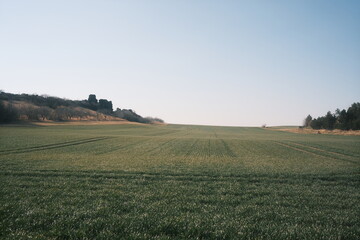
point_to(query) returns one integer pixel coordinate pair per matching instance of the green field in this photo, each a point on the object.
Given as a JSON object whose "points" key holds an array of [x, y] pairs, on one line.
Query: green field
{"points": [[177, 182]]}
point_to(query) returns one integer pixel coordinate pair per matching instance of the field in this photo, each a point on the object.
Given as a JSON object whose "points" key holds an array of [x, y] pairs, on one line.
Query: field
{"points": [[177, 182]]}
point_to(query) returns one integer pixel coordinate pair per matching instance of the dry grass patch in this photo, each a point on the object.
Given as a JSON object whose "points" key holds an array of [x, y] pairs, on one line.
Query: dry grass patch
{"points": [[112, 122], [320, 131]]}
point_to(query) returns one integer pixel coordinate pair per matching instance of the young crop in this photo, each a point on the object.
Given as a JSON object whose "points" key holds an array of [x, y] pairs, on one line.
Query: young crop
{"points": [[177, 182]]}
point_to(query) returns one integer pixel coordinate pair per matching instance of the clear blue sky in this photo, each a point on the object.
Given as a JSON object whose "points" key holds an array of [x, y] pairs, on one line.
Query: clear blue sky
{"points": [[241, 63]]}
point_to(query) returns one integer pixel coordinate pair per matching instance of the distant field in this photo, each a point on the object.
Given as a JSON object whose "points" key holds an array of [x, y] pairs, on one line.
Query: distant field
{"points": [[177, 182]]}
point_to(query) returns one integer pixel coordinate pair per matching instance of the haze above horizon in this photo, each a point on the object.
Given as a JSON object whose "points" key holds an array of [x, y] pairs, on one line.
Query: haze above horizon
{"points": [[229, 63]]}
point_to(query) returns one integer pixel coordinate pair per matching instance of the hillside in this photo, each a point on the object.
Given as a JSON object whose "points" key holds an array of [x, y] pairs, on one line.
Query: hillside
{"points": [[15, 107]]}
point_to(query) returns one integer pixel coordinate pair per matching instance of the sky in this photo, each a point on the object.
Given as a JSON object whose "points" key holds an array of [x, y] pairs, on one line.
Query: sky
{"points": [[229, 63]]}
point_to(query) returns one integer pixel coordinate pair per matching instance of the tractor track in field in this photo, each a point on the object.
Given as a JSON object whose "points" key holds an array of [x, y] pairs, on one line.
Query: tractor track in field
{"points": [[313, 153], [323, 150], [191, 148], [141, 175], [41, 146], [208, 149], [122, 147], [229, 152], [52, 146], [154, 149]]}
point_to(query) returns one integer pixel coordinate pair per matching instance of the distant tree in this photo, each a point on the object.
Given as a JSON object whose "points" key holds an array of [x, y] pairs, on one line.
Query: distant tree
{"points": [[63, 114], [154, 120], [329, 121], [54, 102], [105, 106], [130, 115], [43, 113], [3, 112], [118, 113], [353, 116], [31, 113], [8, 113], [317, 123], [342, 119], [42, 107], [92, 99], [307, 121], [93, 102]]}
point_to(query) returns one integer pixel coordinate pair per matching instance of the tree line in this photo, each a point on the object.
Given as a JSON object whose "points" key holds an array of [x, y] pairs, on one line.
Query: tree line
{"points": [[15, 107], [341, 119], [132, 116]]}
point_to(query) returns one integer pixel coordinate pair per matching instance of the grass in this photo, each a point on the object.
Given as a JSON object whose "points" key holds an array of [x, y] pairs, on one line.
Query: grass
{"points": [[177, 182]]}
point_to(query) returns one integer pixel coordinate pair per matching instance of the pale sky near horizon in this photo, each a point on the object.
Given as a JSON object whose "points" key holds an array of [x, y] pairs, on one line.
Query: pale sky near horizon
{"points": [[235, 63]]}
